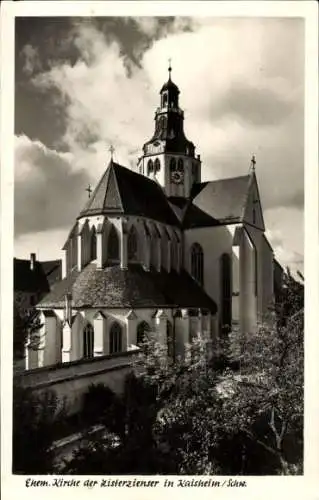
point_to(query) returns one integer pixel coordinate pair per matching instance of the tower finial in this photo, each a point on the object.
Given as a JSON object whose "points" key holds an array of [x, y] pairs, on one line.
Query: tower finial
{"points": [[169, 68], [253, 163], [111, 150]]}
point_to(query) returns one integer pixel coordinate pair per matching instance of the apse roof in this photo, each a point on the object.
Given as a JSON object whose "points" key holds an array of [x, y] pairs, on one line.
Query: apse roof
{"points": [[122, 191], [115, 287]]}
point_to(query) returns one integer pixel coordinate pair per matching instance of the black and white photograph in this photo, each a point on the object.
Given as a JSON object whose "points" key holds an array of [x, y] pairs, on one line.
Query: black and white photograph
{"points": [[158, 255]]}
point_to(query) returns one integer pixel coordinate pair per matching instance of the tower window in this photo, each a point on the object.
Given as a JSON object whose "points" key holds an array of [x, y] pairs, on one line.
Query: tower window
{"points": [[88, 341], [226, 292], [113, 245], [197, 263], [115, 338], [165, 98], [180, 165], [150, 167], [132, 244], [157, 165], [172, 165], [142, 331]]}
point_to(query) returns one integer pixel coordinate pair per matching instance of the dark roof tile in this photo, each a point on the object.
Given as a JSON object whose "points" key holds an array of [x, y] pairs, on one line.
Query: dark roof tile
{"points": [[131, 288], [39, 280], [126, 192]]}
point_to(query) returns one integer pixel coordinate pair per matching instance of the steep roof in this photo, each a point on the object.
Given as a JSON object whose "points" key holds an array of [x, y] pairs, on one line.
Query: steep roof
{"points": [[133, 287], [38, 280], [222, 200], [122, 191]]}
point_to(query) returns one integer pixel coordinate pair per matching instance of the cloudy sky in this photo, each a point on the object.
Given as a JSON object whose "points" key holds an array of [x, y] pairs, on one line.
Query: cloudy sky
{"points": [[83, 84]]}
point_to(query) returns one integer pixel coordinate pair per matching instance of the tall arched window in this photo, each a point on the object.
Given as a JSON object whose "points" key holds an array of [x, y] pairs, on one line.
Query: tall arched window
{"points": [[180, 165], [113, 246], [115, 338], [170, 340], [132, 244], [88, 341], [197, 263], [93, 245], [157, 165], [172, 165], [142, 332], [150, 167], [226, 293]]}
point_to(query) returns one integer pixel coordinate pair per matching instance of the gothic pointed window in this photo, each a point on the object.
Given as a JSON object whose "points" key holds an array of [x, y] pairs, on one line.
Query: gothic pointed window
{"points": [[172, 165], [142, 332], [88, 341], [197, 263], [180, 165], [150, 167], [113, 245], [226, 293], [157, 165], [93, 245], [115, 338], [132, 244]]}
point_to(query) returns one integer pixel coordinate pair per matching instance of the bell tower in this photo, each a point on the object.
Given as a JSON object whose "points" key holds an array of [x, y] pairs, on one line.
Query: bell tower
{"points": [[169, 157]]}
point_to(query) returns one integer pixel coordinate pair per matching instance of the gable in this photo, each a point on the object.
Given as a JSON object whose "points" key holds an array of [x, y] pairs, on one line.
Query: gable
{"points": [[253, 214], [223, 200]]}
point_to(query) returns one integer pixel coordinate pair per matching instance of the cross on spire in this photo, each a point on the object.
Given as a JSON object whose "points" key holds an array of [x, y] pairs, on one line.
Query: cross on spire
{"points": [[112, 149], [253, 163], [89, 190]]}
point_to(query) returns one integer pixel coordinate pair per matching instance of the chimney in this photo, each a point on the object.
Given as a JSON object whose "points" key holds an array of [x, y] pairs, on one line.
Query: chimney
{"points": [[33, 259], [198, 157], [68, 307]]}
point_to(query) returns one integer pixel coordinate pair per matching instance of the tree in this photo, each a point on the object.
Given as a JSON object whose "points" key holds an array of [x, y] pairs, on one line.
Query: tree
{"points": [[26, 330], [263, 403], [149, 418], [35, 421], [199, 416]]}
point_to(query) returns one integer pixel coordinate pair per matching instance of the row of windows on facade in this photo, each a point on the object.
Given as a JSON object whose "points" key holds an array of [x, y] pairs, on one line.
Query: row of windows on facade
{"points": [[113, 247], [174, 166], [115, 338]]}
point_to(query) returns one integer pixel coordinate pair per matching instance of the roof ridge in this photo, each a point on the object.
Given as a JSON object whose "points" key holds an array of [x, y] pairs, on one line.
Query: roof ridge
{"points": [[112, 171], [228, 179]]}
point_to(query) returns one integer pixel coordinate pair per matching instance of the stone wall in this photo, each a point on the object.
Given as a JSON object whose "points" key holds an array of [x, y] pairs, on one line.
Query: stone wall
{"points": [[71, 380]]}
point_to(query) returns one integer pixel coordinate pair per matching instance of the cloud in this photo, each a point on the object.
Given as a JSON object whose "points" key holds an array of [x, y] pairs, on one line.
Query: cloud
{"points": [[285, 233], [48, 191], [31, 58], [241, 91]]}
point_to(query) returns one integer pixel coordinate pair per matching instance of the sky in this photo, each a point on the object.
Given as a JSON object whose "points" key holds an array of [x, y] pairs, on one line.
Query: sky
{"points": [[84, 84]]}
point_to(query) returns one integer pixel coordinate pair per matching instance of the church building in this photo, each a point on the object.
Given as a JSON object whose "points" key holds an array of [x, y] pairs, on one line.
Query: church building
{"points": [[159, 251]]}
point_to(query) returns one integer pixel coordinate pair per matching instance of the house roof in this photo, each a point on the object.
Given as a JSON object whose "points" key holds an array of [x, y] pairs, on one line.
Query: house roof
{"points": [[113, 287], [39, 280], [122, 191], [223, 200]]}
